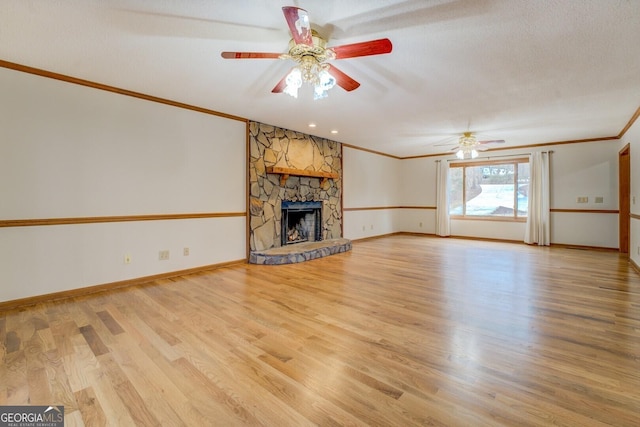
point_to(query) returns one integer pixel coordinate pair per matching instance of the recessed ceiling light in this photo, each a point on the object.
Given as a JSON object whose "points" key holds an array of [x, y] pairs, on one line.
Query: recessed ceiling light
{"points": [[334, 131], [312, 125]]}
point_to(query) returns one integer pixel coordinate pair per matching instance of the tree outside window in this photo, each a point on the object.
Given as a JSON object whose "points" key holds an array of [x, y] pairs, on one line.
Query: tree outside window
{"points": [[489, 189]]}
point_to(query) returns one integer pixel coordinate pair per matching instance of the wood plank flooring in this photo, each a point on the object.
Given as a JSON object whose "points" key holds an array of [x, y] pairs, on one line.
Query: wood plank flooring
{"points": [[400, 331]]}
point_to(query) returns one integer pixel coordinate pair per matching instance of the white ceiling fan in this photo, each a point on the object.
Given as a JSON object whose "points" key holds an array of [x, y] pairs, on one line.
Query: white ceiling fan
{"points": [[468, 145]]}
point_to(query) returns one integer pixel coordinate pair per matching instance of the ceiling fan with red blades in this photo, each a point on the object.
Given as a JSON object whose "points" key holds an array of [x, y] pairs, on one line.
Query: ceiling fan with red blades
{"points": [[310, 53]]}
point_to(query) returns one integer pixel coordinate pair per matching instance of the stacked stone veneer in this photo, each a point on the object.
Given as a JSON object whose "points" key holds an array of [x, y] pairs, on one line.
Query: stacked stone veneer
{"points": [[273, 146]]}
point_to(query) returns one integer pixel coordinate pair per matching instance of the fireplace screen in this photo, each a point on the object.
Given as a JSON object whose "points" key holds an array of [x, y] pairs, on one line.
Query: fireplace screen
{"points": [[301, 222]]}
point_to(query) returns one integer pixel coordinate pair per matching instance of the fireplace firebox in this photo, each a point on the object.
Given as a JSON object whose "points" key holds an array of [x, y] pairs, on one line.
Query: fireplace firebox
{"points": [[301, 222]]}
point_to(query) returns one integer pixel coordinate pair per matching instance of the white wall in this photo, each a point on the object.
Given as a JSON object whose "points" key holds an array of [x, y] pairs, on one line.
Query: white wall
{"points": [[417, 194], [585, 170], [419, 176], [417, 182], [589, 170], [369, 181], [577, 170], [69, 151]]}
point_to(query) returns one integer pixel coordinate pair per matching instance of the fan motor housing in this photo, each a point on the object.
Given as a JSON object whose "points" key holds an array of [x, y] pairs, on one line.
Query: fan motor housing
{"points": [[318, 51]]}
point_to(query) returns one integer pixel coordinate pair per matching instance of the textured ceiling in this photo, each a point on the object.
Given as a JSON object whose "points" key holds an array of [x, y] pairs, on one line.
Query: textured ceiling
{"points": [[527, 71]]}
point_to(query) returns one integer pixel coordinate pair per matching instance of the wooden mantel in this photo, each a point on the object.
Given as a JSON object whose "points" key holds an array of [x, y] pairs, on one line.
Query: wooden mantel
{"points": [[286, 172]]}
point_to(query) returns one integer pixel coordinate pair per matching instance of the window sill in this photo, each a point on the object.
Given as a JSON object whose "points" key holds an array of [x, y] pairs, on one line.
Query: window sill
{"points": [[488, 218]]}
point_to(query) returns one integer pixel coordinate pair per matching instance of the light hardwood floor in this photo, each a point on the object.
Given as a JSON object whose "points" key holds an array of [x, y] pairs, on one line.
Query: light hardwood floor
{"points": [[401, 331]]}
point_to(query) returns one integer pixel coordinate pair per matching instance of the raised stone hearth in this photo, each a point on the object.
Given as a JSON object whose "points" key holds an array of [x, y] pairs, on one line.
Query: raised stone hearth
{"points": [[300, 252]]}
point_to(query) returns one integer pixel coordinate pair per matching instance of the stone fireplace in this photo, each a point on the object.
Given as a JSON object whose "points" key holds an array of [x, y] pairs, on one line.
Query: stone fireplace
{"points": [[301, 222], [287, 166]]}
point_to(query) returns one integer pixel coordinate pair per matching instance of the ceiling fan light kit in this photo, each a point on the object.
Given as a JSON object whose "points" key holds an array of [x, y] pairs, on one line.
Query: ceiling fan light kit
{"points": [[468, 146], [309, 51], [466, 153], [312, 67]]}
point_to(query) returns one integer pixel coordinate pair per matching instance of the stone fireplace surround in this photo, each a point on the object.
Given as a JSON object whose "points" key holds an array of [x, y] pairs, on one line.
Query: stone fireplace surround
{"points": [[272, 148]]}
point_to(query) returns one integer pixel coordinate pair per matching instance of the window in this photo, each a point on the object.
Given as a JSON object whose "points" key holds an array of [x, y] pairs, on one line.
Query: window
{"points": [[493, 189]]}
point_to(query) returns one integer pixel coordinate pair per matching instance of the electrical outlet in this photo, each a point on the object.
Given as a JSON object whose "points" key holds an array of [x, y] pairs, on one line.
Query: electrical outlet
{"points": [[127, 259], [583, 199], [372, 226], [420, 225], [599, 199], [163, 255], [185, 252]]}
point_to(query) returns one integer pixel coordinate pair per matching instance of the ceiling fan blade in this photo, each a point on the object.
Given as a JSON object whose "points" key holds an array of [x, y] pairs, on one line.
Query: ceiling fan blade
{"points": [[494, 141], [279, 88], [343, 80], [299, 25], [373, 47], [250, 55]]}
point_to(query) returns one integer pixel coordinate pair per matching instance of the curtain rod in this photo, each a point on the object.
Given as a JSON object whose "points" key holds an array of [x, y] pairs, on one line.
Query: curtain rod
{"points": [[478, 159]]}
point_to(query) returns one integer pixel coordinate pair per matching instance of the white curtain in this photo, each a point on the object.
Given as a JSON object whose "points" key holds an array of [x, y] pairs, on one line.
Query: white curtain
{"points": [[537, 231], [442, 194]]}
